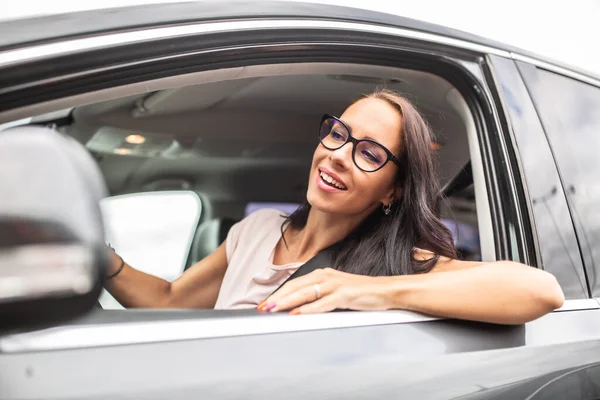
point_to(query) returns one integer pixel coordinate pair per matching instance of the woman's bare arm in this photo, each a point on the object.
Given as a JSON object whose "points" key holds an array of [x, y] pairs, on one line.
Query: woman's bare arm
{"points": [[501, 292], [197, 287]]}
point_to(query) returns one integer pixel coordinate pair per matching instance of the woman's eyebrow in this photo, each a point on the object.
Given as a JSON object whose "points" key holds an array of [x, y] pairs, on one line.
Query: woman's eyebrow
{"points": [[351, 130], [366, 137], [370, 138]]}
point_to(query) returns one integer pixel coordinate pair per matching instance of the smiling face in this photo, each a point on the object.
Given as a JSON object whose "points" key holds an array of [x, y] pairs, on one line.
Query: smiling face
{"points": [[336, 184]]}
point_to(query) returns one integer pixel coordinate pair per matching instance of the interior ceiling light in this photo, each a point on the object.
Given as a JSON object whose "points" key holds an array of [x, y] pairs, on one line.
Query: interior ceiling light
{"points": [[135, 139], [112, 140], [122, 150]]}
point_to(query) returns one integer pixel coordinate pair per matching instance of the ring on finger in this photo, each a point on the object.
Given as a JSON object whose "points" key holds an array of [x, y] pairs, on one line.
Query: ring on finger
{"points": [[317, 289]]}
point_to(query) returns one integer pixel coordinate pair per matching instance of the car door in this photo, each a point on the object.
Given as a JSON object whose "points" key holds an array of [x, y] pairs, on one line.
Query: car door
{"points": [[232, 354]]}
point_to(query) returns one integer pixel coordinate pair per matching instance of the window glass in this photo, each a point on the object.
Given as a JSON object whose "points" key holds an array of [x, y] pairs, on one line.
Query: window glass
{"points": [[570, 112], [151, 231], [555, 233]]}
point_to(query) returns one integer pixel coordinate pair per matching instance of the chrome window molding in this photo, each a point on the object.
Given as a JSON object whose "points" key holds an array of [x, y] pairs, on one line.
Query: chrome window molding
{"points": [[43, 51], [128, 333], [82, 336], [555, 68], [579, 304]]}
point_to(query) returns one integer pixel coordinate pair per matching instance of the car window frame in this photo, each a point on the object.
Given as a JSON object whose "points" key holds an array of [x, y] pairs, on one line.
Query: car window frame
{"points": [[461, 58]]}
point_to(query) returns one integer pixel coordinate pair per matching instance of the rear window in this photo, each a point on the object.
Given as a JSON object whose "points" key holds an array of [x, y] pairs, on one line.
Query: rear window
{"points": [[152, 231], [286, 208]]}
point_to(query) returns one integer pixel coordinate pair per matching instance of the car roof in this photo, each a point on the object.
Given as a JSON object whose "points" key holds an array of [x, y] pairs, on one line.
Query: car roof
{"points": [[28, 30]]}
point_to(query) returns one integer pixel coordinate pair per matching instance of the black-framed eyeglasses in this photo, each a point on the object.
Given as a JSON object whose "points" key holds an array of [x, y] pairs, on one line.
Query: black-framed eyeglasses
{"points": [[367, 154]]}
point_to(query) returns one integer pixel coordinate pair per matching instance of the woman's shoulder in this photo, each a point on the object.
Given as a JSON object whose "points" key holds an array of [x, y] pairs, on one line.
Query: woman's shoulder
{"points": [[254, 229], [264, 218], [266, 214]]}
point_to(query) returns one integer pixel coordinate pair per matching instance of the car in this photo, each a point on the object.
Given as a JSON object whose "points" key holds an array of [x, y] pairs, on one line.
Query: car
{"points": [[156, 127]]}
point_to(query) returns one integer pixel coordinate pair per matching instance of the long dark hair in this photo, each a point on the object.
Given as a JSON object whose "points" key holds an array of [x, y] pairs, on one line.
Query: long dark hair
{"points": [[383, 245]]}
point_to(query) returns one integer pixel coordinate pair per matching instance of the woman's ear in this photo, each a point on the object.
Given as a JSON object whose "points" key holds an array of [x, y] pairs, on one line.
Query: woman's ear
{"points": [[398, 193], [393, 195]]}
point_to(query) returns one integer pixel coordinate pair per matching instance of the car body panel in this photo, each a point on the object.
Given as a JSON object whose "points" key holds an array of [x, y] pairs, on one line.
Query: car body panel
{"points": [[429, 359]]}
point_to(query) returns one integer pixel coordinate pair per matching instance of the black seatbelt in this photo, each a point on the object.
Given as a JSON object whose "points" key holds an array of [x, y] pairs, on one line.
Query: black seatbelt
{"points": [[322, 259]]}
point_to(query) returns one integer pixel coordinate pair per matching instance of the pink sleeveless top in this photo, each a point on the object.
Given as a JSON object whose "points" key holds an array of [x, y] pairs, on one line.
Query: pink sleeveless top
{"points": [[251, 275]]}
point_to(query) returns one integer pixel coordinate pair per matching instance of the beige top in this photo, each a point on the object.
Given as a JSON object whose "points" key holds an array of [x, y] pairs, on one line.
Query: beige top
{"points": [[251, 275]]}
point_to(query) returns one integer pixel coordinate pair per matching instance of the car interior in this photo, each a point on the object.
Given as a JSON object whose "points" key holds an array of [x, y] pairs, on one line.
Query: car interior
{"points": [[243, 138]]}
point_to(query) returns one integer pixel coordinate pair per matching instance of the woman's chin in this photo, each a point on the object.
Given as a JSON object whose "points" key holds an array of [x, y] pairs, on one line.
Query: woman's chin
{"points": [[325, 205], [320, 204]]}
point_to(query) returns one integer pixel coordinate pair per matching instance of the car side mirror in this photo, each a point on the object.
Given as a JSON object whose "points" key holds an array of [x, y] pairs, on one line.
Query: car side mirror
{"points": [[52, 252]]}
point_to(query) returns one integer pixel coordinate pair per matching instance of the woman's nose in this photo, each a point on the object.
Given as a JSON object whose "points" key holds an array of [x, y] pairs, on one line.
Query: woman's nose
{"points": [[342, 156]]}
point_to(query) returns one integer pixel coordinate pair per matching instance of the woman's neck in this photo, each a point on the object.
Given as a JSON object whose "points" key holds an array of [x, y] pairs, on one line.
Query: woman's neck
{"points": [[321, 231]]}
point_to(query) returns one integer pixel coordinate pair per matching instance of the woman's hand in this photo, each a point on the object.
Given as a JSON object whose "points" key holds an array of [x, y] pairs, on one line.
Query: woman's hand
{"points": [[499, 292], [326, 290]]}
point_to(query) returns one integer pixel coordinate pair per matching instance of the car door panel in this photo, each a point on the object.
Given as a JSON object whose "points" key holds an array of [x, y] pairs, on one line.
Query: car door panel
{"points": [[428, 359]]}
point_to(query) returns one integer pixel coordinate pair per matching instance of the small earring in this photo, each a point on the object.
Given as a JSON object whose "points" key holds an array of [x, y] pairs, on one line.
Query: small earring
{"points": [[387, 209]]}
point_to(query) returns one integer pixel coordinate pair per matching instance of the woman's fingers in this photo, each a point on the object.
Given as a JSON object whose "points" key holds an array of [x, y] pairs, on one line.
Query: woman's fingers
{"points": [[326, 290], [292, 286], [307, 294], [324, 304]]}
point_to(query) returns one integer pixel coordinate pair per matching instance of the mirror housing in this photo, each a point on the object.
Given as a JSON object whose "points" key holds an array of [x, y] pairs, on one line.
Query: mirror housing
{"points": [[52, 253]]}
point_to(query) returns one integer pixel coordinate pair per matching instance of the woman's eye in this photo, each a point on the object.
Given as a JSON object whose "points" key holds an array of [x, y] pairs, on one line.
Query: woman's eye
{"points": [[337, 136], [371, 157]]}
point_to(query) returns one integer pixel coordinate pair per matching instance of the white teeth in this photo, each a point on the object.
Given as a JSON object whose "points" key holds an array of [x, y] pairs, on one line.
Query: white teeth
{"points": [[332, 181]]}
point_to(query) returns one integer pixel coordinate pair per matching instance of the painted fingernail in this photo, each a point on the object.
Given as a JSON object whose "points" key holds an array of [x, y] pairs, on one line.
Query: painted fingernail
{"points": [[261, 305], [270, 306]]}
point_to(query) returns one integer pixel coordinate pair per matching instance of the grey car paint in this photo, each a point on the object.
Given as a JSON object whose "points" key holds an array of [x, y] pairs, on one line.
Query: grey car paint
{"points": [[429, 359], [219, 354]]}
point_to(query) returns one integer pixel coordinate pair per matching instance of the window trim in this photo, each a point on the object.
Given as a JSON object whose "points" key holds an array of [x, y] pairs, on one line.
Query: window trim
{"points": [[68, 337], [556, 69], [72, 46], [29, 53]]}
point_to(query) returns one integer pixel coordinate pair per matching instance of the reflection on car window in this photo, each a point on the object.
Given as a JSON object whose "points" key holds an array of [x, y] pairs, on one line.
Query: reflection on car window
{"points": [[556, 237], [151, 231], [569, 111]]}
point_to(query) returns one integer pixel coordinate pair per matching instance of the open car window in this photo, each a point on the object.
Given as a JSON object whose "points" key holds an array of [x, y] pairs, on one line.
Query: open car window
{"points": [[244, 143]]}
